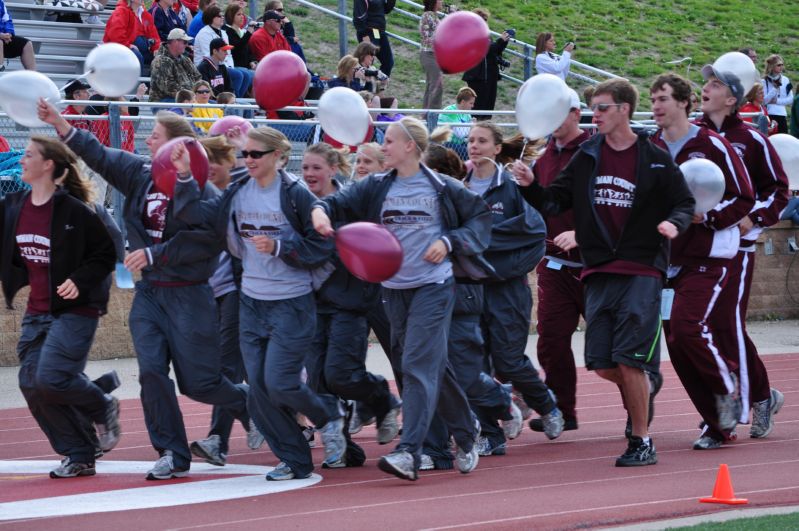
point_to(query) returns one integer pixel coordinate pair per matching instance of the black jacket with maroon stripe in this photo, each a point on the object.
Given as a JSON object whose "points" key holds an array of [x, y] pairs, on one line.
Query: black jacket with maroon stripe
{"points": [[661, 194]]}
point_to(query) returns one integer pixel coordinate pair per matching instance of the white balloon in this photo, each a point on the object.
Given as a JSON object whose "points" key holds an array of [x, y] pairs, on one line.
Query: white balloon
{"points": [[344, 115], [112, 69], [706, 182], [741, 65], [542, 104], [20, 92], [787, 147]]}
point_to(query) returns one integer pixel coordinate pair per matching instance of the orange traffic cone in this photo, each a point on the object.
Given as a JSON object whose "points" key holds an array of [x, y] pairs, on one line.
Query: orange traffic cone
{"points": [[722, 491]]}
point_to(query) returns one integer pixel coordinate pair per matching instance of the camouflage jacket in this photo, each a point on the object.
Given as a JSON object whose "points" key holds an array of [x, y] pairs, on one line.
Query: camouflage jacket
{"points": [[169, 75]]}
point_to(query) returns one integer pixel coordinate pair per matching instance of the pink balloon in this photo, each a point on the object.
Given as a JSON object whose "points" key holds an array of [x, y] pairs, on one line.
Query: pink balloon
{"points": [[163, 171], [222, 126], [460, 42], [280, 79], [369, 251]]}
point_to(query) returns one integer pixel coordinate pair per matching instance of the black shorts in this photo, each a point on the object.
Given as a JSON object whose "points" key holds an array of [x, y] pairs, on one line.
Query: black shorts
{"points": [[622, 315], [14, 48]]}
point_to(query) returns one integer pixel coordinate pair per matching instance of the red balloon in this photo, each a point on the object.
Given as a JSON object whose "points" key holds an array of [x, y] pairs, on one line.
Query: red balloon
{"points": [[460, 42], [369, 251], [280, 78], [221, 126], [370, 133], [163, 171]]}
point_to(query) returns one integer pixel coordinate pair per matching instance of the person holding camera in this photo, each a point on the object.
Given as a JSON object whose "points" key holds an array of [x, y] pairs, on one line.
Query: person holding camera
{"points": [[547, 61], [483, 78], [374, 80]]}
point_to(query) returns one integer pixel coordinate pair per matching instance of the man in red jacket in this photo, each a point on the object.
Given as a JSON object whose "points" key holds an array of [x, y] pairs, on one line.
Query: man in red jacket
{"points": [[700, 260], [721, 97], [269, 38], [560, 293]]}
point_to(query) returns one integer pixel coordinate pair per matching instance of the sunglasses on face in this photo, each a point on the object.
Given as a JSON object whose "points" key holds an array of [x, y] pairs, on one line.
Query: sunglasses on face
{"points": [[203, 92], [602, 107], [255, 155]]}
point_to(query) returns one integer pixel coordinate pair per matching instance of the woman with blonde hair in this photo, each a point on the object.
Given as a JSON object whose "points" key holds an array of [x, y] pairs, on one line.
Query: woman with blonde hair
{"points": [[264, 218], [441, 227], [779, 91], [349, 74], [173, 315], [53, 241], [368, 159]]}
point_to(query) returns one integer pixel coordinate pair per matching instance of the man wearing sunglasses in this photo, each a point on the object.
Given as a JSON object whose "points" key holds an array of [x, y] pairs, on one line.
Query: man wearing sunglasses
{"points": [[699, 265], [629, 200], [721, 97]]}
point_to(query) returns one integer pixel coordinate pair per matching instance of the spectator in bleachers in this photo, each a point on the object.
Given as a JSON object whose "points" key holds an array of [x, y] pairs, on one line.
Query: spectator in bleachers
{"points": [[185, 10], [389, 104], [547, 62], [753, 102], [240, 78], [197, 23], [166, 18], [12, 44], [100, 128], [779, 91], [213, 69], [750, 53], [434, 77], [588, 93], [238, 35], [171, 69], [375, 80], [77, 89], [185, 96], [228, 98], [464, 101], [348, 74], [483, 78], [202, 95], [268, 38], [287, 28], [369, 19], [132, 26]]}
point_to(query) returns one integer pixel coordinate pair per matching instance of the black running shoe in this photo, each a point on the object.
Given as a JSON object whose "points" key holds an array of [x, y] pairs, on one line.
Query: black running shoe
{"points": [[638, 453]]}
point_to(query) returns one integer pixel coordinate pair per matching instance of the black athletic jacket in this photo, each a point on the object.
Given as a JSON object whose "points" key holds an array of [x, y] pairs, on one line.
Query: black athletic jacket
{"points": [[81, 249], [661, 194]]}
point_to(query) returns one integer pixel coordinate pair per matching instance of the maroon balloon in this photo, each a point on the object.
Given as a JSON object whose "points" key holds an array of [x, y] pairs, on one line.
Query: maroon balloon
{"points": [[222, 126], [163, 171], [280, 79], [460, 42], [369, 251]]}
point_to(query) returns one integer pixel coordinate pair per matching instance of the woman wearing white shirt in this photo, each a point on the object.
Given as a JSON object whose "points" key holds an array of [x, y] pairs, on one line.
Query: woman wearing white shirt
{"points": [[547, 62], [779, 92], [240, 78]]}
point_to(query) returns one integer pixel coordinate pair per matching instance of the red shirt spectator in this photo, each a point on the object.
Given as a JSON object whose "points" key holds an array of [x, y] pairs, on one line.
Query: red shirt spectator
{"points": [[124, 26], [77, 89], [4, 147], [268, 38]]}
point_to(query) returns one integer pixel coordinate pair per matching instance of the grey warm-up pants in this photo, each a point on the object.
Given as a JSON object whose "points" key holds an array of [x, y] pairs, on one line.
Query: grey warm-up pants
{"points": [[52, 354], [506, 324], [232, 364], [420, 320], [179, 325], [275, 336]]}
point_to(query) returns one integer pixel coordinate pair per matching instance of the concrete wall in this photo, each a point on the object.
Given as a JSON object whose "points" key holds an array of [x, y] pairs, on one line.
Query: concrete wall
{"points": [[775, 295]]}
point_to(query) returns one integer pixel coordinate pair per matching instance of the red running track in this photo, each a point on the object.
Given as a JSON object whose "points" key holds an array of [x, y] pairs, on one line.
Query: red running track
{"points": [[564, 484]]}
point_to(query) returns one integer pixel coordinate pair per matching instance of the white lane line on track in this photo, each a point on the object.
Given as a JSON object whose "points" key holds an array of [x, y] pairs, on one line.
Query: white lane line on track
{"points": [[248, 483]]}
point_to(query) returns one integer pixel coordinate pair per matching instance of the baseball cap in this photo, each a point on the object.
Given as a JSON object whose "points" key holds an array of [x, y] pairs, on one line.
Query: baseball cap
{"points": [[730, 80], [74, 86], [178, 34], [219, 44], [273, 15]]}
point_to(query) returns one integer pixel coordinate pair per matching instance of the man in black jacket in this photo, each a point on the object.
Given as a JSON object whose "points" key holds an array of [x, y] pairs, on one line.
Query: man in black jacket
{"points": [[369, 19], [629, 200], [484, 77]]}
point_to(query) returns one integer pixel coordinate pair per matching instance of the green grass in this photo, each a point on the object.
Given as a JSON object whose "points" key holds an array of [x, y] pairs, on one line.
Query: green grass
{"points": [[762, 523], [633, 39]]}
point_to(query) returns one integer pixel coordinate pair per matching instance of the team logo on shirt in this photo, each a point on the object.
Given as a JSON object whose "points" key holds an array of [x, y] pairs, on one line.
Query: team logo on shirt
{"points": [[498, 208], [34, 248], [261, 224], [614, 191], [739, 148], [696, 155], [155, 222], [409, 219], [248, 231]]}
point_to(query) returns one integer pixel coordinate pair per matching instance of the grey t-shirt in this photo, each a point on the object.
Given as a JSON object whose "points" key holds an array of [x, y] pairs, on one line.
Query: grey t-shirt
{"points": [[479, 185], [676, 146], [412, 212], [266, 277]]}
